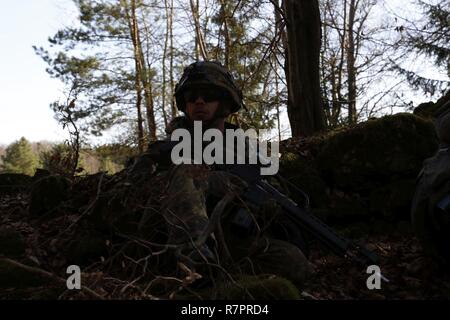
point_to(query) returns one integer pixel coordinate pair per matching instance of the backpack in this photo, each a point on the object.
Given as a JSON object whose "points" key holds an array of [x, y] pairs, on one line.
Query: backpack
{"points": [[430, 210]]}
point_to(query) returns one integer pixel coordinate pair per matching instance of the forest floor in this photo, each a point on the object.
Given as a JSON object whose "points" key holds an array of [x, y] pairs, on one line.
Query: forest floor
{"points": [[410, 274]]}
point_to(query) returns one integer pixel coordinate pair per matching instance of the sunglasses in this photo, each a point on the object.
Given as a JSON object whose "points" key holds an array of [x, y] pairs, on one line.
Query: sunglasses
{"points": [[208, 95]]}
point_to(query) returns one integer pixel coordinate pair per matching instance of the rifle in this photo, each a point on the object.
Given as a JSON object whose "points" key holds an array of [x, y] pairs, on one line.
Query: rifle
{"points": [[259, 191]]}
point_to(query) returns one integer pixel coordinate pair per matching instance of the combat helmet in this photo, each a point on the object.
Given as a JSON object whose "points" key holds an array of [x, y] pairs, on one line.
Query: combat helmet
{"points": [[208, 73]]}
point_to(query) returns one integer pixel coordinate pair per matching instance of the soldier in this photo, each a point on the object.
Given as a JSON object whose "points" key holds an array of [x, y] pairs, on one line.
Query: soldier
{"points": [[431, 203], [208, 93]]}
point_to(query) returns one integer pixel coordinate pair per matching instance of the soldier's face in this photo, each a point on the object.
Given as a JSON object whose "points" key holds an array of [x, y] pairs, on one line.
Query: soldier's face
{"points": [[202, 104]]}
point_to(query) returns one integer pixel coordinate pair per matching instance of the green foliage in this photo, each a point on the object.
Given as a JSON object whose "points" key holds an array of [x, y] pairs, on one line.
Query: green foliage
{"points": [[247, 57], [111, 158], [58, 160], [87, 59], [109, 166], [19, 158], [434, 37], [48, 159], [431, 37]]}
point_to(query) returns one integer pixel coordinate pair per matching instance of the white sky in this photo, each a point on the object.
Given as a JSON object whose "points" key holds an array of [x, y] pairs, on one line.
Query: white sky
{"points": [[26, 90]]}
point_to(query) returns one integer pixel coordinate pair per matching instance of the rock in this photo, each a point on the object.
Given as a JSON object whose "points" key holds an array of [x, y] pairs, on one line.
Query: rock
{"points": [[393, 200], [304, 175], [404, 227], [371, 153], [13, 182], [355, 230], [47, 194], [383, 227], [346, 208]]}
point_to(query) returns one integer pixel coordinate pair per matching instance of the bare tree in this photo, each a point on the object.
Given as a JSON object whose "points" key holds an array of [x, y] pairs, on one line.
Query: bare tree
{"points": [[199, 37], [134, 33]]}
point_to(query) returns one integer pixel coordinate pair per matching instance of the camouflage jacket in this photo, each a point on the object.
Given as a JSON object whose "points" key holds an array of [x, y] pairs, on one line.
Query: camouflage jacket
{"points": [[157, 158]]}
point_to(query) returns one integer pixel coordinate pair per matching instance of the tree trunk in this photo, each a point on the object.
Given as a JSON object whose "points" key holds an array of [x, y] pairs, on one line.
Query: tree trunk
{"points": [[164, 82], [200, 41], [351, 71], [138, 80], [226, 32], [305, 109], [325, 98], [278, 29], [172, 82], [146, 83]]}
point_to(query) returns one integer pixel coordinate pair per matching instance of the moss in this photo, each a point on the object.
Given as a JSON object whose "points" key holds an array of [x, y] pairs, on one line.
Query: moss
{"points": [[347, 207], [303, 174], [354, 230], [393, 200], [372, 152], [259, 288], [383, 227]]}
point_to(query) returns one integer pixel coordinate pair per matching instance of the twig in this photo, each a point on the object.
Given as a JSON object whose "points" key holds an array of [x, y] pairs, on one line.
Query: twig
{"points": [[215, 218], [48, 275], [88, 209]]}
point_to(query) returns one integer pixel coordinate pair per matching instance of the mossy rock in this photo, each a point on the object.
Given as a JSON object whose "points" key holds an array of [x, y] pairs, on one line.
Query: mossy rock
{"points": [[346, 208], [380, 226], [393, 201], [371, 153], [12, 243], [304, 175], [263, 287], [47, 194], [354, 230]]}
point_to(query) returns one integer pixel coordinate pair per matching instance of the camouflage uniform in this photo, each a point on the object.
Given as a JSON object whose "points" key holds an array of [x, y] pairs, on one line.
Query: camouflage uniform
{"points": [[194, 190], [187, 208]]}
